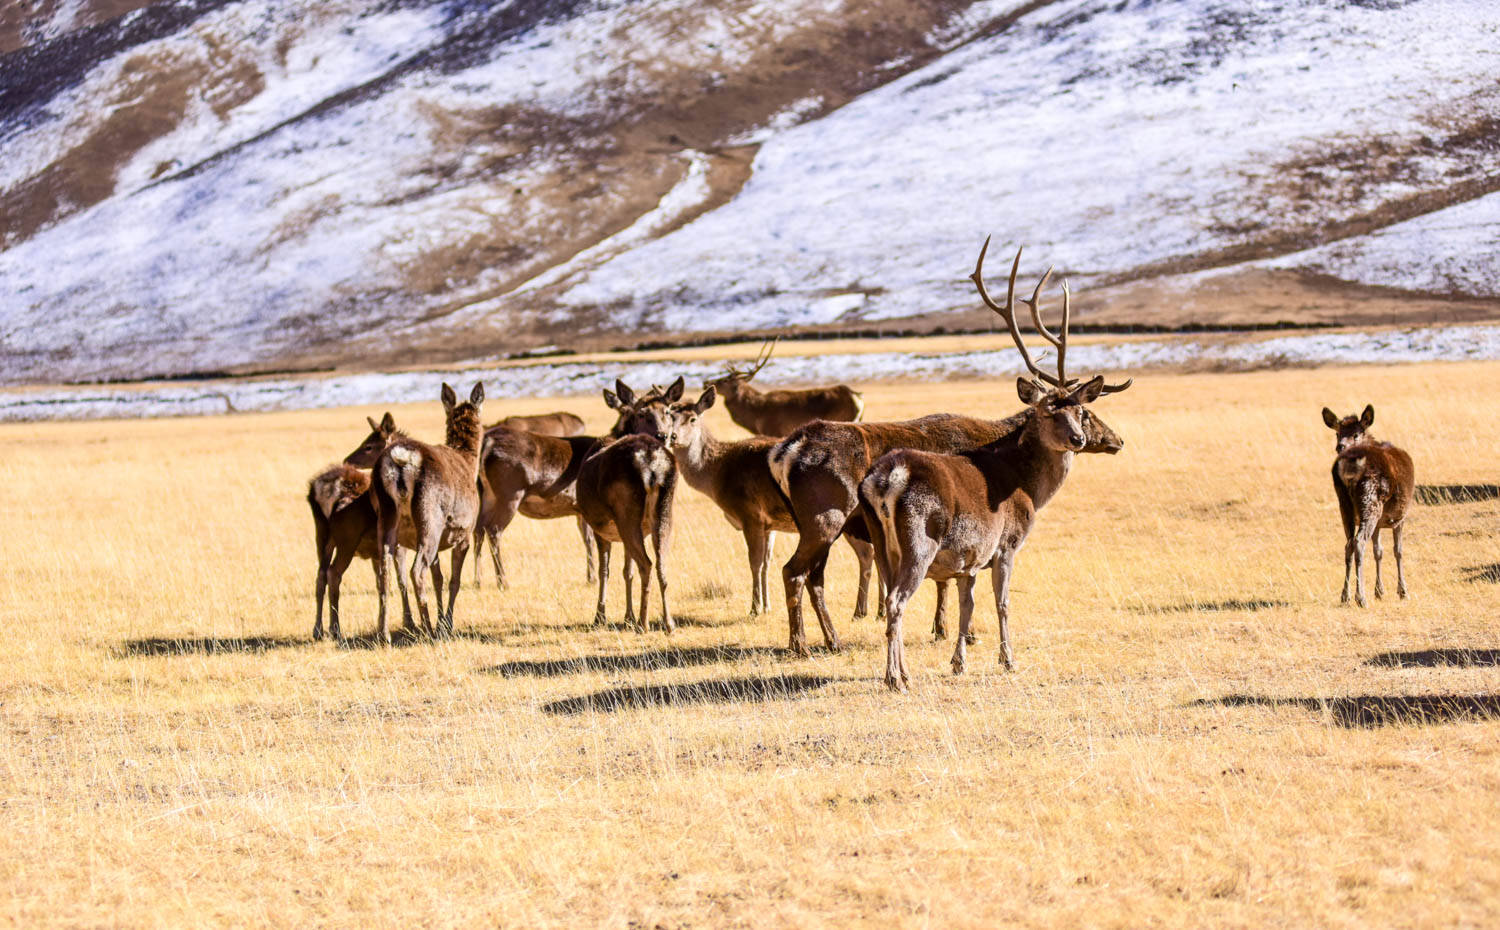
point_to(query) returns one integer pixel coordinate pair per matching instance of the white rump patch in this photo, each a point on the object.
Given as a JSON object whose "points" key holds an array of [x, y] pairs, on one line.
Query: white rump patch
{"points": [[781, 458], [406, 457], [859, 407]]}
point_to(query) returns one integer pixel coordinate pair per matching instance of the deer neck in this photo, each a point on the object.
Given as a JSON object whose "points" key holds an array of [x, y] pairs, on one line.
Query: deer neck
{"points": [[701, 460], [1040, 468], [464, 436]]}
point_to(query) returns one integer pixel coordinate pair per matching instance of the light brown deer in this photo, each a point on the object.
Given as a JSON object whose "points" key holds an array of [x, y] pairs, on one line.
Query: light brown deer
{"points": [[951, 515], [820, 466], [737, 477], [778, 412], [557, 423], [427, 499], [625, 491], [1374, 482], [345, 523]]}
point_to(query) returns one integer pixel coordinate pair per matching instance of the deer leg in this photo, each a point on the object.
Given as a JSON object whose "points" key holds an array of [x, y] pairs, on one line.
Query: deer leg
{"points": [[794, 578], [385, 556], [588, 549], [820, 604], [1400, 570], [1369, 520], [1346, 517], [603, 546], [500, 518], [321, 584], [661, 542], [423, 558], [756, 544], [1349, 545], [437, 593], [908, 576], [965, 619], [408, 621], [341, 559], [940, 615], [460, 552], [627, 568], [866, 555], [1375, 548], [636, 557], [1000, 571], [478, 551]]}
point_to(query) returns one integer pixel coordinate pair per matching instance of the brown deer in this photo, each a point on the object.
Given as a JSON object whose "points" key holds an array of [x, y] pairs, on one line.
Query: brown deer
{"points": [[427, 499], [820, 466], [737, 477], [558, 423], [344, 522], [625, 491], [1374, 483], [778, 412], [951, 515]]}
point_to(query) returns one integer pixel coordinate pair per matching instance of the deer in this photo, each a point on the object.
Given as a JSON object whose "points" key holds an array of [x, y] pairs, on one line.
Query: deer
{"points": [[736, 476], [819, 468], [1374, 482], [344, 522], [625, 490], [557, 423], [427, 499], [953, 514], [778, 412]]}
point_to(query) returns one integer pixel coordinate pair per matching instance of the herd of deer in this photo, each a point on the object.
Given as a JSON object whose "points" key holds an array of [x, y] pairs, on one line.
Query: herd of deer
{"points": [[942, 497]]}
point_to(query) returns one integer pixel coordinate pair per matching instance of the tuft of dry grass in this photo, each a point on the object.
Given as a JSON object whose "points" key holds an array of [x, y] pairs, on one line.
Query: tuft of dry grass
{"points": [[1198, 733]]}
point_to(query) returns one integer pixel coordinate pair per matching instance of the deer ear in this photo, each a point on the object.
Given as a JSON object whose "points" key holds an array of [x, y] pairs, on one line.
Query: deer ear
{"points": [[674, 393], [1089, 391], [387, 423], [476, 396], [374, 427], [1368, 417], [627, 396], [450, 399], [1028, 391], [1330, 419], [610, 400], [706, 399]]}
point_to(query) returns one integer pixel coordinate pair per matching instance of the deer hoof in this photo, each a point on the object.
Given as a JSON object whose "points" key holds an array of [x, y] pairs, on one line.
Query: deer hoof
{"points": [[958, 666], [317, 634], [970, 639]]}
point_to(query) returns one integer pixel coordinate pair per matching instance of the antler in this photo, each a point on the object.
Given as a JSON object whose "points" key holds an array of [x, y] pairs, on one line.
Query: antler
{"points": [[761, 359], [1008, 313]]}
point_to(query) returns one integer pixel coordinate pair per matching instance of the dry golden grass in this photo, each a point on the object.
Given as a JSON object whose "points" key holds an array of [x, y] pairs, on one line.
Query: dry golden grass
{"points": [[176, 751]]}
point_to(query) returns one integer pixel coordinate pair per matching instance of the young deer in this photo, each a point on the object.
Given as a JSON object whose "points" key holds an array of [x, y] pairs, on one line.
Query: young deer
{"points": [[738, 478], [344, 522], [427, 498], [625, 491], [778, 412], [1374, 483]]}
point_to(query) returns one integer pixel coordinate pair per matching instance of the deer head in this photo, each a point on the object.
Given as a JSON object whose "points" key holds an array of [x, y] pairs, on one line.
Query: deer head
{"points": [[685, 423], [1058, 404], [733, 377], [464, 426], [381, 435], [645, 414], [1351, 429]]}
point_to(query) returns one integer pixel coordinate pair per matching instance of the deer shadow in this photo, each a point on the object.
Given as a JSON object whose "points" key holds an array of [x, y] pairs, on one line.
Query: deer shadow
{"points": [[1224, 606], [1437, 658], [206, 645], [402, 637], [1483, 574], [1438, 494], [715, 691], [1369, 712], [639, 662]]}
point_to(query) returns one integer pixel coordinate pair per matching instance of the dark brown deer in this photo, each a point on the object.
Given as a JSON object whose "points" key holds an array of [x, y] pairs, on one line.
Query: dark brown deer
{"points": [[625, 491], [344, 522], [951, 515], [1374, 482], [820, 466], [778, 412], [427, 499], [737, 477], [558, 423]]}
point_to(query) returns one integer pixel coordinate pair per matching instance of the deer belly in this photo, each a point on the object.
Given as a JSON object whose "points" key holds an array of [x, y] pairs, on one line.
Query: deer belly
{"points": [[547, 508]]}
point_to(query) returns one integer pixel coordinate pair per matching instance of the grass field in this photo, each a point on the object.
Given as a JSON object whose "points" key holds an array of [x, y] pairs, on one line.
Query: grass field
{"points": [[1198, 733]]}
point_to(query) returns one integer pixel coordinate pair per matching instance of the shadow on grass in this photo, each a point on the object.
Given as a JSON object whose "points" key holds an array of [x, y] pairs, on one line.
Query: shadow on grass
{"points": [[1483, 574], [1437, 658], [1437, 494], [717, 691], [639, 662], [1372, 711], [205, 645], [1225, 606]]}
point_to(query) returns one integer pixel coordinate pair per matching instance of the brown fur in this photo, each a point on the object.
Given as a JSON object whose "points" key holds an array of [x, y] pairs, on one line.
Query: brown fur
{"points": [[558, 423], [1373, 482], [778, 412], [427, 498], [950, 516]]}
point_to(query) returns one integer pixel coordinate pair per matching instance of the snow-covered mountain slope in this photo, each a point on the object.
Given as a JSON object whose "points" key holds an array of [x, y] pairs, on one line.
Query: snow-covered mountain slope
{"points": [[211, 185]]}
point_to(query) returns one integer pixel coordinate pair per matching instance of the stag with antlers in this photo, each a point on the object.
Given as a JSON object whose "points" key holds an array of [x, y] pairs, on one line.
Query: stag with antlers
{"points": [[778, 412], [820, 466], [951, 515]]}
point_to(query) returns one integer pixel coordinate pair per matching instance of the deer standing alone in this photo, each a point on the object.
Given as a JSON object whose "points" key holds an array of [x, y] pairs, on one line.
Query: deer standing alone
{"points": [[951, 515], [820, 466], [1374, 482], [625, 491], [427, 499]]}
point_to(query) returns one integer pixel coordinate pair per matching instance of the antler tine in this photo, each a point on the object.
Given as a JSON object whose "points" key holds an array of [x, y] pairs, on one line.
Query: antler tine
{"points": [[1008, 312], [763, 357], [1117, 388]]}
